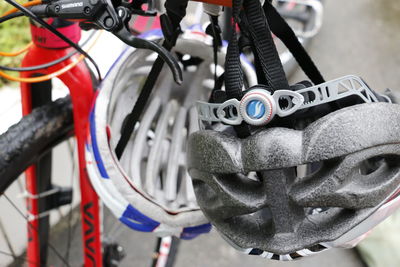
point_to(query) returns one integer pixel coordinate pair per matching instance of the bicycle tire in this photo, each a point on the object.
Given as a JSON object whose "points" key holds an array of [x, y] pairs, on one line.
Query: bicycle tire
{"points": [[35, 134], [24, 143]]}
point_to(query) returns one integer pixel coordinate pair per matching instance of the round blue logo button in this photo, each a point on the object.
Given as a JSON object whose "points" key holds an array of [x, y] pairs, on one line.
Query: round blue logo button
{"points": [[255, 109]]}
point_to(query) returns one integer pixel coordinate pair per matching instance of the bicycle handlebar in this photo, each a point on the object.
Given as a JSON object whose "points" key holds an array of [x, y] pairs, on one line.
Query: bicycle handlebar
{"points": [[115, 19], [103, 14]]}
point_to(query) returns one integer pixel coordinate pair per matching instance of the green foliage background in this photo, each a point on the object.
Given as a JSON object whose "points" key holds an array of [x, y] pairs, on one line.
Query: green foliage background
{"points": [[14, 35]]}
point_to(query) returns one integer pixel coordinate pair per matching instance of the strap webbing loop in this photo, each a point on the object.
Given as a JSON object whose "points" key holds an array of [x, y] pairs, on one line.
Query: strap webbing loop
{"points": [[260, 33], [233, 68], [284, 32]]}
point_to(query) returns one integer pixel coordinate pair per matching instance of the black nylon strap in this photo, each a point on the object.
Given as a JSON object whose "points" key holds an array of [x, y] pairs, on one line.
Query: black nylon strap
{"points": [[214, 30], [285, 33], [259, 31], [268, 66], [176, 10], [233, 68]]}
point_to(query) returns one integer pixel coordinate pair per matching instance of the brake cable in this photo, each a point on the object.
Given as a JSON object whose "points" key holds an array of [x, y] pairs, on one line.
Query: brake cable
{"points": [[48, 64], [51, 75], [33, 16], [16, 53], [11, 16], [27, 4]]}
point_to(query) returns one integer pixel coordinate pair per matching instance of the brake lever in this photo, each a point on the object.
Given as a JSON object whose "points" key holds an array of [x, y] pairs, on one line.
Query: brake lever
{"points": [[127, 37], [101, 14]]}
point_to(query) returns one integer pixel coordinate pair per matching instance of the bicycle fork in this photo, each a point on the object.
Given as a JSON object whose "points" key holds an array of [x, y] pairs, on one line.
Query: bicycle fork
{"points": [[80, 85]]}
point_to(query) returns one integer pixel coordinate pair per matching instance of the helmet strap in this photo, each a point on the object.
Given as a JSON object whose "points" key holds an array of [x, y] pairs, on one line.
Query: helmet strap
{"points": [[285, 33], [256, 29], [175, 12]]}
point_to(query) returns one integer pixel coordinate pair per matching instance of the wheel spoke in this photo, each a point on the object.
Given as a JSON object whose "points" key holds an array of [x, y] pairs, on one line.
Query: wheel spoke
{"points": [[72, 150], [56, 252], [7, 239], [17, 258]]}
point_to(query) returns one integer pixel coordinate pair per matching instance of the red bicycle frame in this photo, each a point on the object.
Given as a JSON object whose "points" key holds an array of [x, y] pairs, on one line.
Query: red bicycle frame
{"points": [[80, 84]]}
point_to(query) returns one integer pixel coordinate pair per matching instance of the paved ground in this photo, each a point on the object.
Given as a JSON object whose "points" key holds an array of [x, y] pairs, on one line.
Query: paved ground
{"points": [[358, 37], [208, 250]]}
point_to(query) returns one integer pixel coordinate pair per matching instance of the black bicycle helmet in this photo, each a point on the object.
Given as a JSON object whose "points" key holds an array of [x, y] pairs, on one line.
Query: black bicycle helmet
{"points": [[287, 171]]}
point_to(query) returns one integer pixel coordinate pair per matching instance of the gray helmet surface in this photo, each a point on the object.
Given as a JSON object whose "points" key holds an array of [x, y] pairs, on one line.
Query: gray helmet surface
{"points": [[283, 193]]}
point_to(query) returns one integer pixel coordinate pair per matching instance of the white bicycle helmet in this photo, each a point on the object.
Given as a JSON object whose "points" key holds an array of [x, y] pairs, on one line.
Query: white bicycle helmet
{"points": [[149, 189]]}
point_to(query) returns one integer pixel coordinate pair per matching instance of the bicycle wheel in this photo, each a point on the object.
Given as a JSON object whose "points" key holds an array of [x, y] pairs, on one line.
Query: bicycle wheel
{"points": [[29, 142], [25, 142]]}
